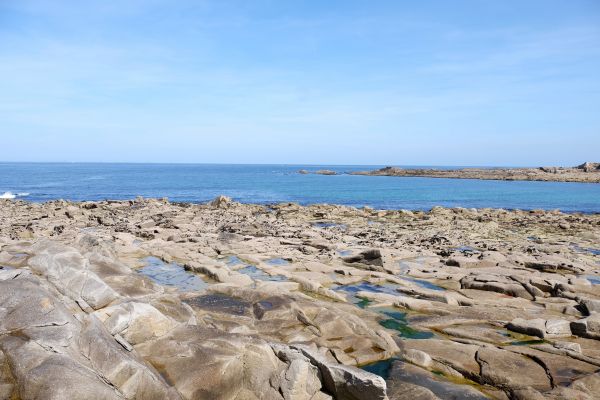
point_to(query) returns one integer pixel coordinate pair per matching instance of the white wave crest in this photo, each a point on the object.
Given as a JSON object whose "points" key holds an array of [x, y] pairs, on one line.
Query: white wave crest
{"points": [[11, 195], [8, 195]]}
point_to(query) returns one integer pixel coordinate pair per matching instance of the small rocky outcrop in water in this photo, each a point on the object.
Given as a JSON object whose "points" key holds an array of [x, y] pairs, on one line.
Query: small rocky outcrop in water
{"points": [[450, 303]]}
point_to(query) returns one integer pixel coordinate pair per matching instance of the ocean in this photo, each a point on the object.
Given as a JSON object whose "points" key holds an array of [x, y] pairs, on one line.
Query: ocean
{"points": [[264, 184]]}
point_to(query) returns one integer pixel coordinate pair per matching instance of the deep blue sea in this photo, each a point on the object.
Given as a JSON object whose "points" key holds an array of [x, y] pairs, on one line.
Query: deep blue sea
{"points": [[282, 183]]}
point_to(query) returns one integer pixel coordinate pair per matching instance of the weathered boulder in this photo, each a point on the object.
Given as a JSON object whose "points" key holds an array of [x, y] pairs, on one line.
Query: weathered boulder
{"points": [[69, 272], [532, 327], [495, 283], [344, 382], [371, 258], [221, 202], [588, 327]]}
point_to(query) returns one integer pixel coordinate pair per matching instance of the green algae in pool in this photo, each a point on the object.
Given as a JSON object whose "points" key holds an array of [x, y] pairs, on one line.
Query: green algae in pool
{"points": [[388, 288], [527, 342], [361, 302], [171, 274], [404, 330], [397, 322]]}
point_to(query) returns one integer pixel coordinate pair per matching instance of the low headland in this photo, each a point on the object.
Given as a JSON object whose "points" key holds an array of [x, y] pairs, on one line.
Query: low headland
{"points": [[148, 299], [586, 172]]}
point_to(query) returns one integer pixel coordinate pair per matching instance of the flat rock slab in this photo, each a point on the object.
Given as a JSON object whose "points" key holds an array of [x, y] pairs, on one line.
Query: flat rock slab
{"points": [[505, 369]]}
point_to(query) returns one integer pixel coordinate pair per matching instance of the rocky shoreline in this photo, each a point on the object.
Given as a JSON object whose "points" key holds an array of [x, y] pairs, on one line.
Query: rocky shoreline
{"points": [[587, 173], [147, 299]]}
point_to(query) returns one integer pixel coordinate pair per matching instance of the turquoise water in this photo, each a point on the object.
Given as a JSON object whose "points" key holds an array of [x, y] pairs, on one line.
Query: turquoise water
{"points": [[281, 183]]}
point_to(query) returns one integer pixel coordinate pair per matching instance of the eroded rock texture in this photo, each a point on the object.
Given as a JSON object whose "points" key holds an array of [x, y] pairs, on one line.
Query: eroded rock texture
{"points": [[146, 299]]}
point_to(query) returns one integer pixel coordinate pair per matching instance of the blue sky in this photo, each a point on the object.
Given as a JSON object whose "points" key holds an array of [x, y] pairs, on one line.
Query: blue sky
{"points": [[481, 82]]}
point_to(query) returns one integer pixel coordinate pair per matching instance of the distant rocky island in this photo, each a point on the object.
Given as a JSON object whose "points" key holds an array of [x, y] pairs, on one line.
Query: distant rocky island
{"points": [[586, 172], [148, 299]]}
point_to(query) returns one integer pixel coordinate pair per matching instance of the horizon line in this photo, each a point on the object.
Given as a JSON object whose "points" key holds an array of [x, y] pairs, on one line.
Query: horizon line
{"points": [[284, 164]]}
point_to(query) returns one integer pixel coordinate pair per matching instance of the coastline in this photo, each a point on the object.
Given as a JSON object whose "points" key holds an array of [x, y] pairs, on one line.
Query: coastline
{"points": [[585, 173], [446, 290]]}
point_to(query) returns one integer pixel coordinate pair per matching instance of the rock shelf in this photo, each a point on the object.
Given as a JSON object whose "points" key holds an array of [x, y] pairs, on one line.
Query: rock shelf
{"points": [[147, 299], [587, 172]]}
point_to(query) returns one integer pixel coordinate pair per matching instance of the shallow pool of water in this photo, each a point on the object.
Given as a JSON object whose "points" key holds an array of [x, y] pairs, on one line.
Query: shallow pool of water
{"points": [[396, 320], [260, 275], [327, 224], [277, 261], [387, 288], [381, 368], [172, 274], [425, 284], [233, 260], [466, 249], [594, 279]]}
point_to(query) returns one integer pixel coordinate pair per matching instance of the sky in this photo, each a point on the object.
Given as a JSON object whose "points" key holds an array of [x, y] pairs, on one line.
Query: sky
{"points": [[463, 82]]}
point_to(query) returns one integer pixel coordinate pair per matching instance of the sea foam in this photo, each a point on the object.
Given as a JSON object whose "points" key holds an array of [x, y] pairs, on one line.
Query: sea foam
{"points": [[8, 195], [11, 195]]}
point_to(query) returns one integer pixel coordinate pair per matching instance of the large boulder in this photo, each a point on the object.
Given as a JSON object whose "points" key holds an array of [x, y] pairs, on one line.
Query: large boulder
{"points": [[70, 273]]}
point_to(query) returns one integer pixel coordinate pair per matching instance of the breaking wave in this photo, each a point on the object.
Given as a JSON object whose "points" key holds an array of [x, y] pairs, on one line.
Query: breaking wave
{"points": [[11, 195]]}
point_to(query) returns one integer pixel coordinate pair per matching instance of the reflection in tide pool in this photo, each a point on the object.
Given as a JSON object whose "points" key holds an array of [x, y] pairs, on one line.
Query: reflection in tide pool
{"points": [[368, 287], [277, 261], [260, 275], [594, 280], [425, 284], [172, 274]]}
